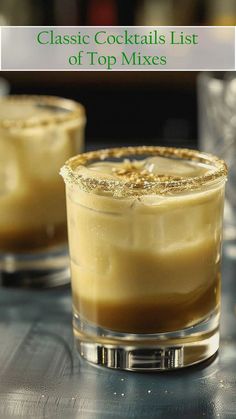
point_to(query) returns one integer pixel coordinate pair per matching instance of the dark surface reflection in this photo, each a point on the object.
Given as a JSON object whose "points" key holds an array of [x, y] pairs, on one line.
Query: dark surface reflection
{"points": [[42, 375]]}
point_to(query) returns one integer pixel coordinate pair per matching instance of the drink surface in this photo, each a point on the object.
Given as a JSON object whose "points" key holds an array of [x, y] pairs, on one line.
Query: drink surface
{"points": [[33, 146], [27, 111], [150, 263]]}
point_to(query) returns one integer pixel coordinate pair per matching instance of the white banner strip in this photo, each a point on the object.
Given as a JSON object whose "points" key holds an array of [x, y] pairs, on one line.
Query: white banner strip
{"points": [[134, 48], [235, 47], [0, 48]]}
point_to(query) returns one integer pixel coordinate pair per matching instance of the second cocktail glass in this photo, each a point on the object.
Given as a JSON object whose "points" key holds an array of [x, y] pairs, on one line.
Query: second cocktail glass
{"points": [[37, 134]]}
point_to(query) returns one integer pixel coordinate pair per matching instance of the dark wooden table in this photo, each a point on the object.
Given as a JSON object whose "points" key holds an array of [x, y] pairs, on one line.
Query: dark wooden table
{"points": [[43, 377]]}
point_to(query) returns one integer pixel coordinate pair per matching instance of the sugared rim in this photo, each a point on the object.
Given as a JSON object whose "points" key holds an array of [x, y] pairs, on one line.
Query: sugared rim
{"points": [[116, 187], [76, 111]]}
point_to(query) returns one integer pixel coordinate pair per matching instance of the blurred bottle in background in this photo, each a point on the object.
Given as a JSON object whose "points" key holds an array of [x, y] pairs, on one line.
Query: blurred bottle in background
{"points": [[25, 12], [221, 13], [152, 12], [100, 12], [165, 12], [107, 12]]}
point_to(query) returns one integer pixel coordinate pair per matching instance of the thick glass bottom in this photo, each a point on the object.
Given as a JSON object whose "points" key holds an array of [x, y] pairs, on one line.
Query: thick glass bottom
{"points": [[147, 352], [43, 269]]}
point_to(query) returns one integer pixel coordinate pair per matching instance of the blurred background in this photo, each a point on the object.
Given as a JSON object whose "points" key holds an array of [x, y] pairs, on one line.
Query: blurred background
{"points": [[137, 108], [124, 107], [117, 12]]}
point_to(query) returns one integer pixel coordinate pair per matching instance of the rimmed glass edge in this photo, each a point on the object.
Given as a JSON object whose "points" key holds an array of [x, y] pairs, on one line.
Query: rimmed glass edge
{"points": [[76, 110], [119, 188]]}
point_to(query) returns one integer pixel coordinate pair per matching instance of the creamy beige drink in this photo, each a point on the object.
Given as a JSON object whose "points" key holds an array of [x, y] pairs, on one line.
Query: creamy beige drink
{"points": [[147, 262], [145, 240], [37, 134]]}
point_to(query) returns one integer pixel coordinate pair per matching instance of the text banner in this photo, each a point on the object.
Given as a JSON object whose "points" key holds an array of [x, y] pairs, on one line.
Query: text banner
{"points": [[118, 48]]}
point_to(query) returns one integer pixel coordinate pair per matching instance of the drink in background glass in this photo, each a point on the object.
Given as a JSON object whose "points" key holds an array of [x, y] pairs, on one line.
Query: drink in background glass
{"points": [[144, 229], [217, 129], [37, 133]]}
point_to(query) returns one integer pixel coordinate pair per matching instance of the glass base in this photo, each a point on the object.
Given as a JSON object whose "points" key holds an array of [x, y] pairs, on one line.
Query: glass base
{"points": [[36, 270], [147, 352]]}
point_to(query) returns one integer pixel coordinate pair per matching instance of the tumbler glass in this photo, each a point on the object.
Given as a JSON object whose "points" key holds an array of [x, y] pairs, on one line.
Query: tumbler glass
{"points": [[145, 228], [37, 133], [217, 130]]}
